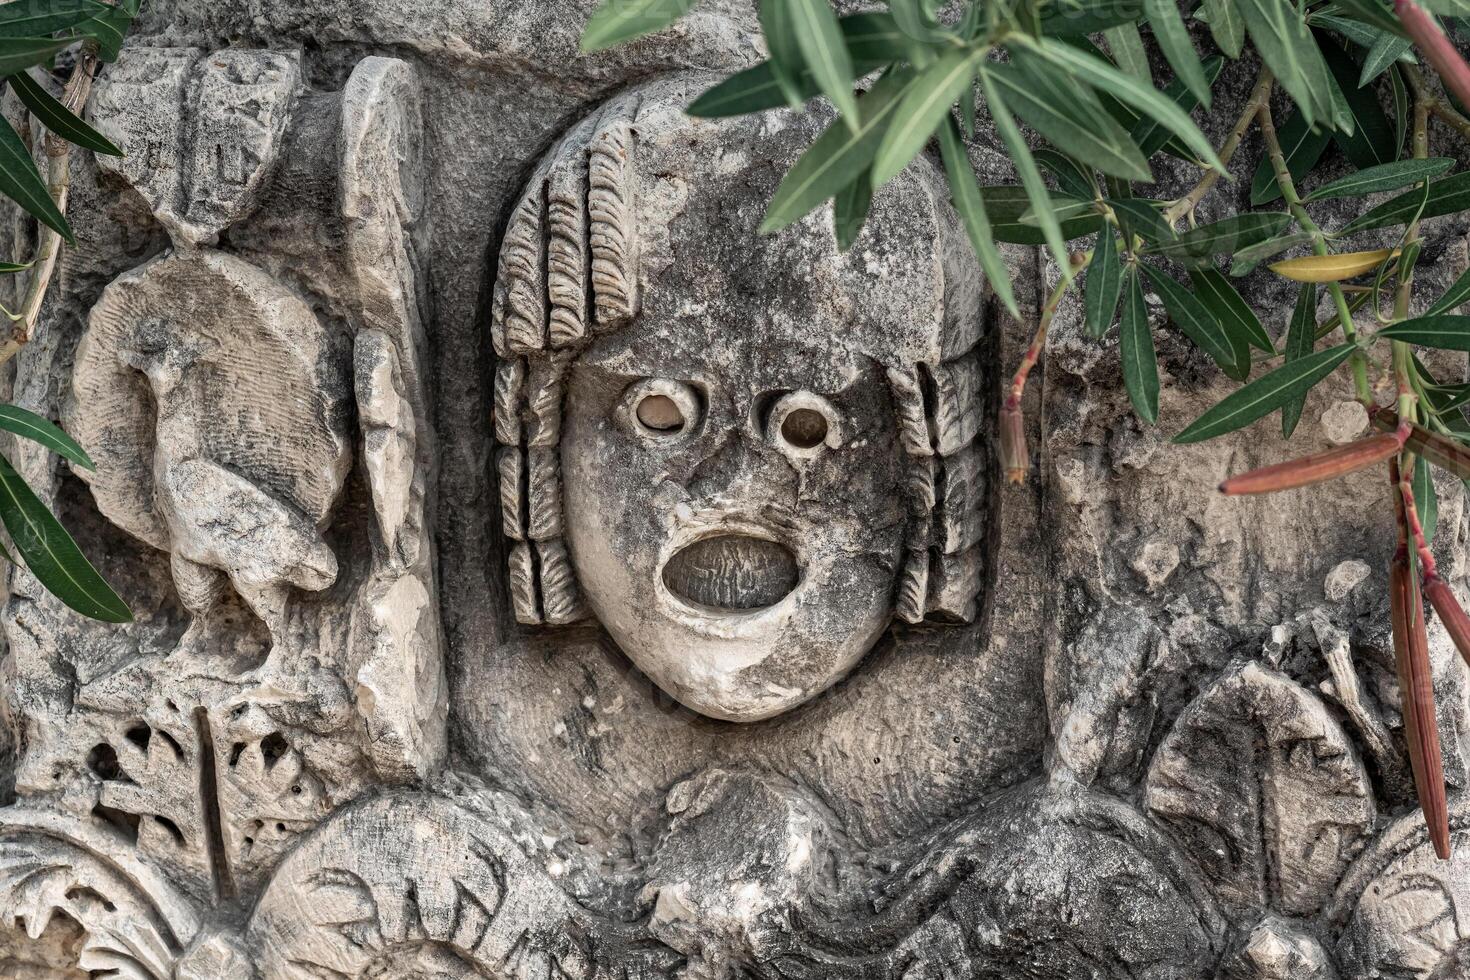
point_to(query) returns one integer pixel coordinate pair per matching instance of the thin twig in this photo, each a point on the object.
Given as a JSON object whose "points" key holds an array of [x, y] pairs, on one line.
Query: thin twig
{"points": [[1437, 49], [1319, 246], [1259, 96], [1038, 340], [58, 184]]}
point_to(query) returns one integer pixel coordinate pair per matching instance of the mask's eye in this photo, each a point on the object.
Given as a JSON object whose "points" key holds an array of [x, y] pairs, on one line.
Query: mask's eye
{"points": [[659, 409], [802, 424]]}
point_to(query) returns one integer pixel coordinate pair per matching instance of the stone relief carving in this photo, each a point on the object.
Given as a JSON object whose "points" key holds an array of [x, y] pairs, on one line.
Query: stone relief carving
{"points": [[745, 526], [471, 465]]}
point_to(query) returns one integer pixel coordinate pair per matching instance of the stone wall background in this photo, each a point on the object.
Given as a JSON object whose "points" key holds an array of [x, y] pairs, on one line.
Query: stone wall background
{"points": [[1170, 747]]}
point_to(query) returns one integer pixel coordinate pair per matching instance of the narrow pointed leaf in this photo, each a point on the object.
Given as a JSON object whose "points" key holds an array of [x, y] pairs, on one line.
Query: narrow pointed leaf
{"points": [[20, 53], [1224, 237], [787, 64], [617, 21], [1233, 313], [38, 18], [1332, 268], [1373, 12], [1284, 42], [1008, 204], [837, 157], [1301, 146], [924, 106], [1036, 191], [1148, 133], [1063, 209], [850, 210], [1369, 142], [1301, 337], [1194, 319], [1246, 260], [1141, 218], [1426, 501], [1385, 51], [1359, 33], [819, 37], [1443, 332], [873, 40], [57, 118], [1076, 18], [110, 28], [1441, 402], [1226, 26], [1445, 196], [1385, 177], [970, 203], [1173, 38], [1265, 394], [1104, 285], [1069, 116], [1400, 93], [21, 182], [1454, 297], [29, 425], [1147, 100], [51, 554], [1136, 347], [1125, 44], [1069, 174], [916, 20]]}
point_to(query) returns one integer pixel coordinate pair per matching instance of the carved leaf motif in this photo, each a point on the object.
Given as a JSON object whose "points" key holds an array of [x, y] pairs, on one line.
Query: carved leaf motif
{"points": [[380, 883], [158, 782], [267, 797], [1266, 790], [42, 877], [1400, 911]]}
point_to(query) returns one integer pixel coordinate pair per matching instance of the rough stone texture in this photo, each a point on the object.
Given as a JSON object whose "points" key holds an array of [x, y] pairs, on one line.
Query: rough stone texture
{"points": [[538, 574]]}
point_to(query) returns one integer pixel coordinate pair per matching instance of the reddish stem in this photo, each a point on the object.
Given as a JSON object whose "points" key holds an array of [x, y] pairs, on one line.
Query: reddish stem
{"points": [[1437, 49], [1416, 529], [1416, 685]]}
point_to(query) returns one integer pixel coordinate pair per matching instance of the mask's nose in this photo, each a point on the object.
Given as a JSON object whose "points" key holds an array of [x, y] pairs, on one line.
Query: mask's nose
{"points": [[742, 471]]}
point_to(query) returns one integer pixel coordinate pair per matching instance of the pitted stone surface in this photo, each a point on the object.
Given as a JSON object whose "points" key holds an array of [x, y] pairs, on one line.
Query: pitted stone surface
{"points": [[540, 574]]}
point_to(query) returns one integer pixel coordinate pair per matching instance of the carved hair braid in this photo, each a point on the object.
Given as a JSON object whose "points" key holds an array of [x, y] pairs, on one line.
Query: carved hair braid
{"points": [[938, 419], [566, 271]]}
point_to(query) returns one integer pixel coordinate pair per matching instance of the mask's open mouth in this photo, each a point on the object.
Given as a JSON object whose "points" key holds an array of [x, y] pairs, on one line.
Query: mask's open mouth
{"points": [[733, 572]]}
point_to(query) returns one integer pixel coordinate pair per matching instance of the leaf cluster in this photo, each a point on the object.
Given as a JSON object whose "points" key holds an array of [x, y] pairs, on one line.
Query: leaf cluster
{"points": [[1067, 89], [32, 34]]}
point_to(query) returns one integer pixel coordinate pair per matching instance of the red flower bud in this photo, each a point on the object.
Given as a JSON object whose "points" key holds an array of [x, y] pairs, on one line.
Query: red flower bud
{"points": [[1315, 468], [1451, 613], [1436, 48], [1416, 691], [1015, 458]]}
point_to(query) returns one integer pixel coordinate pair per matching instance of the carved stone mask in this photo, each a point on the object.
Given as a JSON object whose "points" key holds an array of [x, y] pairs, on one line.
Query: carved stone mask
{"points": [[745, 454]]}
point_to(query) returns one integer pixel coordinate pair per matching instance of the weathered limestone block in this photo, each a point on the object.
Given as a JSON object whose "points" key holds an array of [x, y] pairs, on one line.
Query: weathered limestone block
{"points": [[719, 903], [1278, 949], [413, 885], [264, 461], [200, 171], [1399, 910], [60, 877], [471, 462]]}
